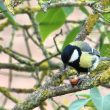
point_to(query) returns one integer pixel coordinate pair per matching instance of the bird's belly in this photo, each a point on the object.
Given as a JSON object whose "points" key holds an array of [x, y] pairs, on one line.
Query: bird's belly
{"points": [[78, 68]]}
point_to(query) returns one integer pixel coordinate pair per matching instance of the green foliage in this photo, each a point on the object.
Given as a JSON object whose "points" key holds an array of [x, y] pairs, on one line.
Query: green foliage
{"points": [[51, 20], [102, 37], [106, 17], [96, 97], [1, 108], [108, 35], [84, 10], [105, 50], [100, 102], [7, 14], [94, 100], [68, 10], [106, 10], [76, 105], [70, 37], [83, 95]]}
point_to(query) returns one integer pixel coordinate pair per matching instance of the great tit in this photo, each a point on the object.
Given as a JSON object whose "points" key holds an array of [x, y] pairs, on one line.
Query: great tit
{"points": [[81, 56]]}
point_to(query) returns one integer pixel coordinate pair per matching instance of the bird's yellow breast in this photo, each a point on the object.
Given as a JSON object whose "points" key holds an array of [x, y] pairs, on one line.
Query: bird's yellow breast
{"points": [[85, 60]]}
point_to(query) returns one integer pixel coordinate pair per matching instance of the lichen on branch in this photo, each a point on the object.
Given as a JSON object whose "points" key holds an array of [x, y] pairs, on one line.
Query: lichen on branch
{"points": [[47, 90]]}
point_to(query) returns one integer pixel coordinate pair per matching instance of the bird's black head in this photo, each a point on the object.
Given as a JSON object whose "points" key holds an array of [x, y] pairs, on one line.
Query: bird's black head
{"points": [[69, 52]]}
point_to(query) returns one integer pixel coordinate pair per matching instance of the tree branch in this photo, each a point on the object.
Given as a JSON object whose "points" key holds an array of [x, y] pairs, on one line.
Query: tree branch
{"points": [[7, 94], [19, 67], [47, 90], [51, 5], [87, 27], [15, 56]]}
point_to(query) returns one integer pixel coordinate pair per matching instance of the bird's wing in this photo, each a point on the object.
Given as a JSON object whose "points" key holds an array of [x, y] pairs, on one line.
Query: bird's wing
{"points": [[85, 47]]}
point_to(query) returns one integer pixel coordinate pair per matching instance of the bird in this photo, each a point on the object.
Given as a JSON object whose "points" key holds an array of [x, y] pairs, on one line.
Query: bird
{"points": [[81, 56]]}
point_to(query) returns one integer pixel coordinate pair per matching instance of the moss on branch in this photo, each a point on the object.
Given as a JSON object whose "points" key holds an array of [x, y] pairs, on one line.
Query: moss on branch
{"points": [[3, 25], [87, 27], [27, 10], [105, 2], [47, 90], [92, 19], [51, 5]]}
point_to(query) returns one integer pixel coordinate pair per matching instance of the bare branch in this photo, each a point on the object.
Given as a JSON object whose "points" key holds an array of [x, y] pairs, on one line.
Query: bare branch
{"points": [[19, 67], [15, 56], [7, 94]]}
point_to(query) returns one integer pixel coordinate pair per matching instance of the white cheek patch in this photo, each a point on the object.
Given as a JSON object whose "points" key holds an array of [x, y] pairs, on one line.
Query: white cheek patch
{"points": [[74, 56]]}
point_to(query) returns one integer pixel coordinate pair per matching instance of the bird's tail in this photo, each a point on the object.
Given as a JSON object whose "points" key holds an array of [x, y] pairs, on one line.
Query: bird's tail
{"points": [[104, 59]]}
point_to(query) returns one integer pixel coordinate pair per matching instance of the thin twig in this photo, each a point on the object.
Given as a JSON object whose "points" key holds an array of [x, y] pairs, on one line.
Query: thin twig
{"points": [[21, 55], [10, 58], [54, 39], [32, 38], [5, 92], [27, 44], [37, 31], [10, 61], [16, 57], [37, 64], [20, 90]]}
